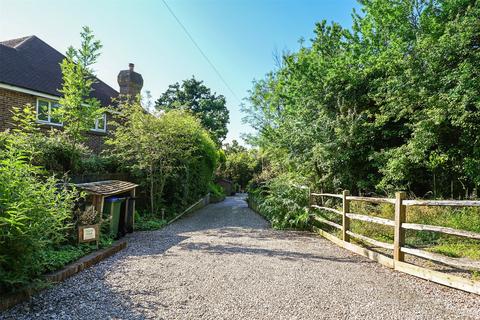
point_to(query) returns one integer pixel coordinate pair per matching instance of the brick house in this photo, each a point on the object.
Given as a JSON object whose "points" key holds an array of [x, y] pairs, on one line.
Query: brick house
{"points": [[30, 74]]}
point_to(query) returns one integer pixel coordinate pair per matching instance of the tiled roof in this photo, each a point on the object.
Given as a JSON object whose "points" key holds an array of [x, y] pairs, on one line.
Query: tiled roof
{"points": [[30, 63], [107, 188]]}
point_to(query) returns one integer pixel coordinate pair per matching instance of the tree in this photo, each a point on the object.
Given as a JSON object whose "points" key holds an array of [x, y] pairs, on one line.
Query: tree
{"points": [[172, 149], [390, 104], [194, 96], [240, 164], [78, 110]]}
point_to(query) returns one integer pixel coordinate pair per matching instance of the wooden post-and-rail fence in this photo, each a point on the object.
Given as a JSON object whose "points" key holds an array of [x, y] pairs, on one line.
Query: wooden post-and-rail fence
{"points": [[400, 225]]}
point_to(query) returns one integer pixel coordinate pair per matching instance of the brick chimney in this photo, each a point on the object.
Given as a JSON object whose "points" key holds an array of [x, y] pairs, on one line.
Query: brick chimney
{"points": [[130, 82]]}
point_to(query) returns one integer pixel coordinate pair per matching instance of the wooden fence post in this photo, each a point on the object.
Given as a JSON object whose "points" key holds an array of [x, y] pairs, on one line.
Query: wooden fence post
{"points": [[309, 198], [345, 219], [400, 217]]}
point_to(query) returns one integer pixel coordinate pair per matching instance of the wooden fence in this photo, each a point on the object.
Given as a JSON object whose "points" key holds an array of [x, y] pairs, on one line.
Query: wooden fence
{"points": [[400, 225]]}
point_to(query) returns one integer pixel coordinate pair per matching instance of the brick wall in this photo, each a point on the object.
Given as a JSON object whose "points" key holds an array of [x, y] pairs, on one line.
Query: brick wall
{"points": [[10, 99]]}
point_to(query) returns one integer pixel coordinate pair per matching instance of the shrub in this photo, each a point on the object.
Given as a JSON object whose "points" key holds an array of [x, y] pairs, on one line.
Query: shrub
{"points": [[171, 154], [56, 155], [34, 215], [215, 190], [148, 222], [93, 163], [283, 201]]}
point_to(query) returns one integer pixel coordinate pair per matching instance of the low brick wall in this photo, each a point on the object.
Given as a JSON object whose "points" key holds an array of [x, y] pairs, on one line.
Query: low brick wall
{"points": [[8, 301]]}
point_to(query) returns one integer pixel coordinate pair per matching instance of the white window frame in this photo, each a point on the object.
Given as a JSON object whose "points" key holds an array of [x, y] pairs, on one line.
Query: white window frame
{"points": [[49, 114], [96, 128]]}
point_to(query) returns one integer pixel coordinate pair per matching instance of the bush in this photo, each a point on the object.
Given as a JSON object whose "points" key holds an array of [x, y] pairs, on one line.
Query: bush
{"points": [[93, 163], [55, 154], [34, 215], [215, 190], [283, 202], [171, 154], [148, 222]]}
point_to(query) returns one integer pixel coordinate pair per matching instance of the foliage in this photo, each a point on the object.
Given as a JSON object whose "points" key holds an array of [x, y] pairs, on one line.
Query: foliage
{"points": [[62, 150], [390, 104], [55, 153], [240, 164], [148, 222], [283, 201], [52, 150], [194, 96], [93, 163], [216, 191], [78, 110], [34, 214], [171, 153]]}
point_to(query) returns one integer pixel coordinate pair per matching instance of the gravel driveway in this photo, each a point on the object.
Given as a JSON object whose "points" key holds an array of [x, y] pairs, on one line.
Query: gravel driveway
{"points": [[224, 262]]}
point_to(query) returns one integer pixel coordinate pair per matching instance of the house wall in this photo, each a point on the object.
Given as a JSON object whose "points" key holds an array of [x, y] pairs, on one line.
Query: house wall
{"points": [[10, 99]]}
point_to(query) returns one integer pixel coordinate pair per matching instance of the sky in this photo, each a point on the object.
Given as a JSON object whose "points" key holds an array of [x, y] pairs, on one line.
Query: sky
{"points": [[239, 37]]}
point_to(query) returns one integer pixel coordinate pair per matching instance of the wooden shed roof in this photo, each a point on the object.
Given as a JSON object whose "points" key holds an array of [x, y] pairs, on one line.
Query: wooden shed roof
{"points": [[107, 188]]}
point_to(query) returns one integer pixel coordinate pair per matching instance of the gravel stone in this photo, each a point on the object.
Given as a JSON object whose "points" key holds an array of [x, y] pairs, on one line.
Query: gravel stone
{"points": [[225, 262]]}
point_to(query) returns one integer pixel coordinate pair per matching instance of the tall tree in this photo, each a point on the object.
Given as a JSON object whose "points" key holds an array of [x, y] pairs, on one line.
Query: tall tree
{"points": [[78, 110], [390, 104], [194, 96]]}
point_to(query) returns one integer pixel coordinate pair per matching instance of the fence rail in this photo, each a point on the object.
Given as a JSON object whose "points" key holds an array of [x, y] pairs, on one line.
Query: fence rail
{"points": [[399, 248]]}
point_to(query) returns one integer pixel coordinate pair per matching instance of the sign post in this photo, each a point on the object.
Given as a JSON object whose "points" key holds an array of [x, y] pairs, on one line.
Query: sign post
{"points": [[89, 233]]}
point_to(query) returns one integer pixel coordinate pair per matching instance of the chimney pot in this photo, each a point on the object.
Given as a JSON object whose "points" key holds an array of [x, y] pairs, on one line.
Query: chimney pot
{"points": [[131, 66]]}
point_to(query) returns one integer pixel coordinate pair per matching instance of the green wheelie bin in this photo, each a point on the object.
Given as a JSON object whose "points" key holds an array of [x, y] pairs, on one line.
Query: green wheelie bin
{"points": [[111, 210]]}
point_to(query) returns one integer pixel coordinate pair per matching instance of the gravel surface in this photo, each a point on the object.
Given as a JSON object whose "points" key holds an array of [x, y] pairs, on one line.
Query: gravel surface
{"points": [[224, 262]]}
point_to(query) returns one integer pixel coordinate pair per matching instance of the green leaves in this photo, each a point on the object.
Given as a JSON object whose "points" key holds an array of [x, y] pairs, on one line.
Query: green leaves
{"points": [[35, 213], [391, 104], [78, 110], [195, 97], [172, 153]]}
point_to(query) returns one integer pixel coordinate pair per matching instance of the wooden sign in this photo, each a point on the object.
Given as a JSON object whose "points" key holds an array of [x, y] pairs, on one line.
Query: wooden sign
{"points": [[88, 233]]}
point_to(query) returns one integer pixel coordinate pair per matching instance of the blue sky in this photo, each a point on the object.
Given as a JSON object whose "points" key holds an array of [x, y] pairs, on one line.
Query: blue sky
{"points": [[238, 36]]}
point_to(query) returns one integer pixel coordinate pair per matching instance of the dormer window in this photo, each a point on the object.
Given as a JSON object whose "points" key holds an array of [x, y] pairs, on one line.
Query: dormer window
{"points": [[46, 112]]}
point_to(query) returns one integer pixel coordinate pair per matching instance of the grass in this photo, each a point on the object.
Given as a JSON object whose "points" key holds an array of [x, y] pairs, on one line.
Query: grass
{"points": [[469, 249], [148, 222]]}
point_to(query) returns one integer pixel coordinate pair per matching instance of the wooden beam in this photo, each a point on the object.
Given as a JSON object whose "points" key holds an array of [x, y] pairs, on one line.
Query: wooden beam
{"points": [[361, 217], [454, 262], [446, 230], [439, 277], [400, 216], [371, 241], [446, 203], [372, 255], [326, 209], [330, 223], [420, 272], [327, 195], [345, 219], [371, 199]]}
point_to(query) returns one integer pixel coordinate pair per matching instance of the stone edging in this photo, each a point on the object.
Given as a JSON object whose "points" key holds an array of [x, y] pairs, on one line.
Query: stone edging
{"points": [[69, 270]]}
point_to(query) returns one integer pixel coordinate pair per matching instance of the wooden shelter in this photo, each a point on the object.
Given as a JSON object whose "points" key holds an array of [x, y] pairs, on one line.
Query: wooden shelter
{"points": [[101, 190]]}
